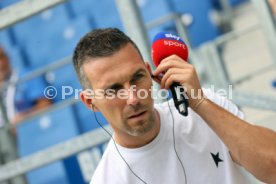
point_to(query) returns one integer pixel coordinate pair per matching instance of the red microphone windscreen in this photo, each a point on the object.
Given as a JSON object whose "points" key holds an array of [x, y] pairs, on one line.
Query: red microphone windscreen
{"points": [[167, 44]]}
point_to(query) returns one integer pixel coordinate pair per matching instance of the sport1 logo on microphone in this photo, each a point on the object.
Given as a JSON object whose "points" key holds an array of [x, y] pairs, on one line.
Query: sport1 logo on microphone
{"points": [[174, 44], [169, 35], [177, 42]]}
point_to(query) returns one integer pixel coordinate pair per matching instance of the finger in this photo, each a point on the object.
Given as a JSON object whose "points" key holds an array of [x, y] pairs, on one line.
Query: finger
{"points": [[173, 71], [156, 79], [162, 68], [171, 61], [172, 57], [175, 78]]}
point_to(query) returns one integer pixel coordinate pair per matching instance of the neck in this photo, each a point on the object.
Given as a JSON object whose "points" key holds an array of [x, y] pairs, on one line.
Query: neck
{"points": [[130, 141]]}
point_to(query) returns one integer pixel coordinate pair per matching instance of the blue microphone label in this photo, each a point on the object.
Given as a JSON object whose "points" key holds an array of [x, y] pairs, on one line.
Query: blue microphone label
{"points": [[168, 36]]}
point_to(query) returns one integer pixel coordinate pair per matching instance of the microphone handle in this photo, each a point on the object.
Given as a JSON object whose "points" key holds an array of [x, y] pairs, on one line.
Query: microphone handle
{"points": [[179, 98]]}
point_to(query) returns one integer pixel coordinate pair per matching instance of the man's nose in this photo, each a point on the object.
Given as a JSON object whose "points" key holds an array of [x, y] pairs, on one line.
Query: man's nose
{"points": [[132, 97], [132, 100]]}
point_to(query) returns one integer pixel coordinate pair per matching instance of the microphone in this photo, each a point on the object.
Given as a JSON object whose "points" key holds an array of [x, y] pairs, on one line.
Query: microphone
{"points": [[164, 45]]}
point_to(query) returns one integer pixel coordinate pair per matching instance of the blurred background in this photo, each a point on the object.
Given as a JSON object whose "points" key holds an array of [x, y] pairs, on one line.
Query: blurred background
{"points": [[50, 137]]}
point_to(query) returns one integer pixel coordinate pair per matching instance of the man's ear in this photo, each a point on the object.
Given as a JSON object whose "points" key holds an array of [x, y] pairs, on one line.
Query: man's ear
{"points": [[87, 99], [148, 67], [156, 79]]}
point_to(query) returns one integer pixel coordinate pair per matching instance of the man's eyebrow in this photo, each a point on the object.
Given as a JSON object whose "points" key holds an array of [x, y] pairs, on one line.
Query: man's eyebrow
{"points": [[141, 70], [118, 85], [114, 86]]}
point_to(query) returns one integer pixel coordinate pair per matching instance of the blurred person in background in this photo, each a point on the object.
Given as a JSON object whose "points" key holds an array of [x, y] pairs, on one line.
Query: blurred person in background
{"points": [[273, 5], [20, 100]]}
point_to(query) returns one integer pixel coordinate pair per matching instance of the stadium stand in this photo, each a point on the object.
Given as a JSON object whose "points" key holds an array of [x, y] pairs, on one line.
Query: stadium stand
{"points": [[233, 3], [202, 28], [67, 83], [49, 129], [87, 122], [38, 27], [103, 13], [5, 39], [149, 13], [86, 119], [58, 44], [6, 3]]}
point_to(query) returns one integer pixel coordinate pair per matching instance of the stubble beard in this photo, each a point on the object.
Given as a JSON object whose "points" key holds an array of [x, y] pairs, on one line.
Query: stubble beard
{"points": [[143, 127]]}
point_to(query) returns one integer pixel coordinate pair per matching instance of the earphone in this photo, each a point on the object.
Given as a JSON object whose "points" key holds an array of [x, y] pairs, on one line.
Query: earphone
{"points": [[136, 175]]}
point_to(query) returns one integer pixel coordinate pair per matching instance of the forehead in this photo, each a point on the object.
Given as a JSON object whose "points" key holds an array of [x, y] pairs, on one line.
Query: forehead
{"points": [[116, 68]]}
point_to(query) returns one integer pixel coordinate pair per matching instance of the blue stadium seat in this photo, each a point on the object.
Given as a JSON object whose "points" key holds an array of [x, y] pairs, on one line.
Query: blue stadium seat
{"points": [[43, 132], [79, 8], [103, 13], [86, 118], [61, 44], [38, 28], [149, 13], [154, 9], [64, 79], [49, 174], [6, 3], [202, 29], [87, 122]]}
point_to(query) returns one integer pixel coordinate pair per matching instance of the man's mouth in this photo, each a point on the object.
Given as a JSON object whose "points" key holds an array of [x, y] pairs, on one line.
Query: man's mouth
{"points": [[137, 115]]}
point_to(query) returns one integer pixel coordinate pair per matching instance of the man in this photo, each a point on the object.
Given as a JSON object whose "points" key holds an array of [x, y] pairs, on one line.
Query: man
{"points": [[23, 99], [154, 143]]}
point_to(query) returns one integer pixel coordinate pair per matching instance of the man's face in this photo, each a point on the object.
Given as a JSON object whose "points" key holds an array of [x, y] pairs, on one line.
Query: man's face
{"points": [[4, 65], [123, 73]]}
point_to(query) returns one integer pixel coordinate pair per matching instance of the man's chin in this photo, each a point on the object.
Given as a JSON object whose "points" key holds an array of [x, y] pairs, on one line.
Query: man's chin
{"points": [[140, 129], [141, 125]]}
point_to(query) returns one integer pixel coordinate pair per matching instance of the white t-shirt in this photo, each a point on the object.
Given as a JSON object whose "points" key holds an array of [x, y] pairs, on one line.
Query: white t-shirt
{"points": [[156, 163], [8, 99]]}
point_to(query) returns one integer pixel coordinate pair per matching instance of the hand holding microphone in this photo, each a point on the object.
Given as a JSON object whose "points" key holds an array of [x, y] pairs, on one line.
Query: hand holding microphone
{"points": [[169, 54]]}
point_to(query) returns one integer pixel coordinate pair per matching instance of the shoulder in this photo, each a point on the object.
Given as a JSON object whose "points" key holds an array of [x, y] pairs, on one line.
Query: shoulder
{"points": [[223, 101]]}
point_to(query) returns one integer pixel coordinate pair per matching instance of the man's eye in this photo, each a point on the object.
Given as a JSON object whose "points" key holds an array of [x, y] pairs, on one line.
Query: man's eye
{"points": [[137, 78], [110, 92]]}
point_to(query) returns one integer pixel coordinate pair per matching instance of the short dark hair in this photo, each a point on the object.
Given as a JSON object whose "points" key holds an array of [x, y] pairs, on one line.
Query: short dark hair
{"points": [[98, 43]]}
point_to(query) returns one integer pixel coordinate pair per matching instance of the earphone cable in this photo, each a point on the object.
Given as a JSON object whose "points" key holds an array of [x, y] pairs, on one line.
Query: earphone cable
{"points": [[118, 149], [183, 169]]}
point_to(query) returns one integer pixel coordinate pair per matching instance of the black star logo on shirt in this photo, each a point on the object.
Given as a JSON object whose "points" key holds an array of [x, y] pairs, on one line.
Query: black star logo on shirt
{"points": [[216, 158]]}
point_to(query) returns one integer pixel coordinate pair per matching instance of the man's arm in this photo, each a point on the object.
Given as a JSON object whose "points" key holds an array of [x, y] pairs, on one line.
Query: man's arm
{"points": [[40, 104], [253, 147]]}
